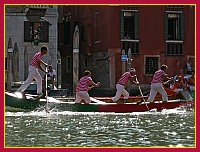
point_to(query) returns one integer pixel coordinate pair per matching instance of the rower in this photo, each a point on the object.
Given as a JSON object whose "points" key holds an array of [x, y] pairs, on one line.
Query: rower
{"points": [[120, 86], [84, 85], [156, 84], [180, 87]]}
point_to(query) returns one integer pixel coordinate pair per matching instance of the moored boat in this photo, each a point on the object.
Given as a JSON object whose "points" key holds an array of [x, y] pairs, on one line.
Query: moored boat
{"points": [[29, 102]]}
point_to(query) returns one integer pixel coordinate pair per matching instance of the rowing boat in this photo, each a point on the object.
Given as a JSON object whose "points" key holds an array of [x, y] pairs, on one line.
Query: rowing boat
{"points": [[29, 102]]}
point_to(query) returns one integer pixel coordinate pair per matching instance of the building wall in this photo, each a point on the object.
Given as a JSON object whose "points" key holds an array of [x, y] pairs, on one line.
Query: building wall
{"points": [[104, 21], [14, 29]]}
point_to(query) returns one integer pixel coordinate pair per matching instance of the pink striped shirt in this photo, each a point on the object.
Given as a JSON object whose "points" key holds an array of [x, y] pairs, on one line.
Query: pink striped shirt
{"points": [[124, 78], [37, 57], [157, 76], [83, 84]]}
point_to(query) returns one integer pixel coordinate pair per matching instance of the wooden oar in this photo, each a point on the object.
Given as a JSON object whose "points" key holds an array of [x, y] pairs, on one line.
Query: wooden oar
{"points": [[96, 100], [186, 95], [166, 82], [138, 85], [47, 110], [147, 92]]}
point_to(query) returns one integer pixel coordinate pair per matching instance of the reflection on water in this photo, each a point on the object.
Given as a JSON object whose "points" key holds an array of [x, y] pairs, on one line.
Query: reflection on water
{"points": [[169, 128]]}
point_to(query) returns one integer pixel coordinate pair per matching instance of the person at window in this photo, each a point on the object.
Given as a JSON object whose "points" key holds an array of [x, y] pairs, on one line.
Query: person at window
{"points": [[51, 75], [188, 66], [126, 36], [157, 84], [84, 85], [120, 86], [34, 65], [191, 82]]}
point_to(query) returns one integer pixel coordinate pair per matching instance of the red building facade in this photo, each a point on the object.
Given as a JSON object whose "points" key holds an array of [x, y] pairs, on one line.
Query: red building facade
{"points": [[156, 35]]}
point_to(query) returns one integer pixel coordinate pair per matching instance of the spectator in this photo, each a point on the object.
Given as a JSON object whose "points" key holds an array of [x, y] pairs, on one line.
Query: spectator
{"points": [[191, 82], [51, 75], [188, 66]]}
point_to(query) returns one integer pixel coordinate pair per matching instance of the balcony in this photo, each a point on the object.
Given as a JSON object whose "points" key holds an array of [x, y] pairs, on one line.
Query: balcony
{"points": [[132, 44], [174, 47]]}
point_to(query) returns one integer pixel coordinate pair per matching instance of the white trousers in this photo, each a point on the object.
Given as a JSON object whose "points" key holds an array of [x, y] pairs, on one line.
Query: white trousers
{"points": [[157, 87], [82, 95], [33, 74], [192, 88], [120, 91]]}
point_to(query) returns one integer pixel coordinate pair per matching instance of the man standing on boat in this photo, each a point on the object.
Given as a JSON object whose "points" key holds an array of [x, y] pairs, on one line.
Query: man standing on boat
{"points": [[157, 84], [84, 85], [120, 86], [34, 65]]}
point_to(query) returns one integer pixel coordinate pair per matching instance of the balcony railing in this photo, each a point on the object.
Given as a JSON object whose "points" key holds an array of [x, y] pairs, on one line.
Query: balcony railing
{"points": [[132, 44], [174, 47]]}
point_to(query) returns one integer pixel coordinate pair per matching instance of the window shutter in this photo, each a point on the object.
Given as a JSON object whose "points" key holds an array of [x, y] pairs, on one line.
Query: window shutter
{"points": [[136, 26], [45, 32], [122, 24], [67, 33], [26, 31], [166, 26], [182, 26]]}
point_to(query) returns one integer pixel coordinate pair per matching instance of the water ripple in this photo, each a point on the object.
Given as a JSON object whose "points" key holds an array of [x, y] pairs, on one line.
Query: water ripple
{"points": [[170, 128]]}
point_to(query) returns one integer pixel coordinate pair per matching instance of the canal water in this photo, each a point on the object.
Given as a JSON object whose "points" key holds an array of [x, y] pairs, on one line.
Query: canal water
{"points": [[169, 128]]}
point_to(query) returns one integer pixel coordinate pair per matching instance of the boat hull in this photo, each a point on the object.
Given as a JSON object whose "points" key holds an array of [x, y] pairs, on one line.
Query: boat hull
{"points": [[32, 104]]}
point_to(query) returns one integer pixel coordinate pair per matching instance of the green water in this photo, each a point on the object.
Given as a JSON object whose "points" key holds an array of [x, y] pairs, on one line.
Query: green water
{"points": [[170, 128]]}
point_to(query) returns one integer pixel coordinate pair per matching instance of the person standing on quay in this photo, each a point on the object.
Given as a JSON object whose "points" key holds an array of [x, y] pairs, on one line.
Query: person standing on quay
{"points": [[34, 65], [84, 85], [157, 84]]}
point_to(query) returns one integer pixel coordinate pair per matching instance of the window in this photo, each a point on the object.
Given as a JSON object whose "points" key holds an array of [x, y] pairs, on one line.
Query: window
{"points": [[174, 33], [67, 33], [36, 32], [129, 30], [174, 26], [67, 27], [151, 64], [129, 24]]}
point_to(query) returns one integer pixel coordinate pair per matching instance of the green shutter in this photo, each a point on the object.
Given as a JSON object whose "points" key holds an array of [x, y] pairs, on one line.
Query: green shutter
{"points": [[182, 26], [166, 26], [136, 26], [122, 24], [26, 31]]}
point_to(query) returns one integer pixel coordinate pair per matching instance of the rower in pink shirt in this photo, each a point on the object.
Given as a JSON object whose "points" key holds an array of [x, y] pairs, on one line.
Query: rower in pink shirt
{"points": [[157, 84], [34, 65], [121, 84], [84, 85]]}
